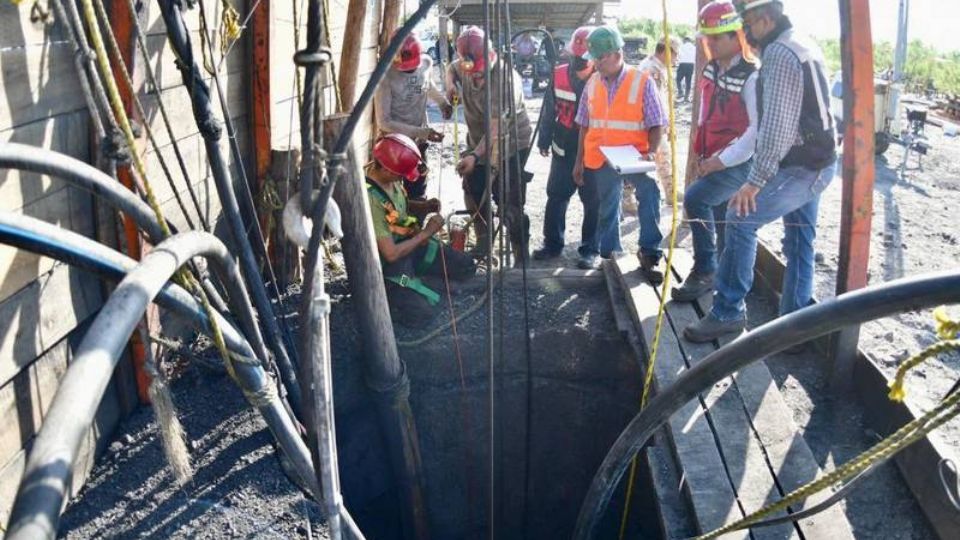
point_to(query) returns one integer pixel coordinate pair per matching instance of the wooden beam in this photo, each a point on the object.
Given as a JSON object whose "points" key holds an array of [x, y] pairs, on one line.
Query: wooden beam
{"points": [[259, 109], [858, 173], [350, 54], [260, 89], [121, 23]]}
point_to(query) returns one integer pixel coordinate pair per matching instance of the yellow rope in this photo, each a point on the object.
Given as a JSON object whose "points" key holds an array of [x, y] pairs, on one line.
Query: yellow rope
{"points": [[648, 377], [947, 328], [897, 391], [103, 64]]}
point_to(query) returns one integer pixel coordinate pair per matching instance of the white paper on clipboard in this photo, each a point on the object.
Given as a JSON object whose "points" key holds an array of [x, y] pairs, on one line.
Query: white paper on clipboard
{"points": [[627, 159]]}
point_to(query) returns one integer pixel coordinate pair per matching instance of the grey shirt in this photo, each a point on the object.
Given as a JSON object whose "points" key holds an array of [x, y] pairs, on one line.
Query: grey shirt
{"points": [[472, 96], [401, 100]]}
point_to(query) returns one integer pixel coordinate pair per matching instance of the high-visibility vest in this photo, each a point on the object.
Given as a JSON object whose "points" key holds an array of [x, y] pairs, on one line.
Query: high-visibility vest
{"points": [[566, 97], [618, 124]]}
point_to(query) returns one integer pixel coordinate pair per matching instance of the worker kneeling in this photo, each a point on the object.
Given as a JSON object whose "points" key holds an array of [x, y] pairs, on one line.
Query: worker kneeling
{"points": [[407, 250]]}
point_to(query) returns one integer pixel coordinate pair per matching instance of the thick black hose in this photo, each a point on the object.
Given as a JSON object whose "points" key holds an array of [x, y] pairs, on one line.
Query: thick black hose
{"points": [[179, 38], [854, 308]]}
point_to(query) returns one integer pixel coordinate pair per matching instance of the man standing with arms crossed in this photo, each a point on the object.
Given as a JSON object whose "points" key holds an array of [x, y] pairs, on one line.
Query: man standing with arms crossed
{"points": [[620, 107], [794, 161]]}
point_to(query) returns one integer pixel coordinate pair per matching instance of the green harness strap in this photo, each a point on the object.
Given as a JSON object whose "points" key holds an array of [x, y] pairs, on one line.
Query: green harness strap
{"points": [[433, 246], [415, 285]]}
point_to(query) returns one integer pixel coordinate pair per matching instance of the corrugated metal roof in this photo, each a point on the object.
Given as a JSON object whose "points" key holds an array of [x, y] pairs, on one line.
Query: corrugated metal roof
{"points": [[552, 15]]}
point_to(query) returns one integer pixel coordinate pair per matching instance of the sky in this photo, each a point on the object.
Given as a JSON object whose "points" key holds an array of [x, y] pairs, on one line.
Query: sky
{"points": [[935, 22]]}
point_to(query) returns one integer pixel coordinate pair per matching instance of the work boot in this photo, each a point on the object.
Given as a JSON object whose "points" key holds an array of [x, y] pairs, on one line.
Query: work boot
{"points": [[710, 328], [695, 286], [588, 262], [648, 267], [544, 254]]}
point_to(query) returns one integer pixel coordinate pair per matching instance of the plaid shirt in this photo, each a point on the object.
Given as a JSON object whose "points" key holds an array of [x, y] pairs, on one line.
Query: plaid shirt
{"points": [[781, 77], [652, 108]]}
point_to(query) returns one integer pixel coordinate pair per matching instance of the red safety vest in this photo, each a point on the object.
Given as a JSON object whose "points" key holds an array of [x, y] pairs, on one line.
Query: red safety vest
{"points": [[566, 98], [726, 115]]}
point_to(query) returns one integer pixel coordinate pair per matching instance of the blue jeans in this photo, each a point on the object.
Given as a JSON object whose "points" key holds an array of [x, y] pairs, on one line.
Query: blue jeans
{"points": [[560, 189], [705, 200], [610, 192], [794, 195]]}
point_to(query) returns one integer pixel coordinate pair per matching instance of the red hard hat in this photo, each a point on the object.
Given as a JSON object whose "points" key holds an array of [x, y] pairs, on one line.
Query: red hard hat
{"points": [[398, 154], [719, 17], [470, 45], [577, 46], [408, 57]]}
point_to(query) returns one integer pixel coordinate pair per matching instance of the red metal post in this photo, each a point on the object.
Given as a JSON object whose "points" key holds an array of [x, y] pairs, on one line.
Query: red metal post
{"points": [[121, 22], [858, 171], [260, 109]]}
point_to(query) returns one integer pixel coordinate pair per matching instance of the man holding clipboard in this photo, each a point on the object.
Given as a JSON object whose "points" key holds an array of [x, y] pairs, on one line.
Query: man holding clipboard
{"points": [[620, 113]]}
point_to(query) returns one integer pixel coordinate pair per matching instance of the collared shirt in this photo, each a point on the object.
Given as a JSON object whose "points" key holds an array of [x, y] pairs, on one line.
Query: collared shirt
{"points": [[782, 78], [652, 107], [740, 149]]}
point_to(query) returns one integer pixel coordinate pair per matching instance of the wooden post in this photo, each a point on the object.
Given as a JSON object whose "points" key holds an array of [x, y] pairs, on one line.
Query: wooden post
{"points": [[695, 104], [260, 108], [350, 54], [858, 174], [385, 373], [121, 22], [391, 18]]}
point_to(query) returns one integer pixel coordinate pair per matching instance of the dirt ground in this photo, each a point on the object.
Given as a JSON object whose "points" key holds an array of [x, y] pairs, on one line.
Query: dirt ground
{"points": [[239, 489]]}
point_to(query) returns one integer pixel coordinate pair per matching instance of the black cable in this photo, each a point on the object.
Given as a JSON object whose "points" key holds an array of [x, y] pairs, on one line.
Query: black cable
{"points": [[246, 196], [152, 81], [210, 129]]}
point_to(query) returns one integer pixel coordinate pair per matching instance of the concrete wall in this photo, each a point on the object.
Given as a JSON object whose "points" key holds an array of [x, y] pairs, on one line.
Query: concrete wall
{"points": [[44, 305]]}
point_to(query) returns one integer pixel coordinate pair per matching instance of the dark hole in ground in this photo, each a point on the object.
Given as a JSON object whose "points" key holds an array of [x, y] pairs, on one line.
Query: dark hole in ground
{"points": [[586, 386]]}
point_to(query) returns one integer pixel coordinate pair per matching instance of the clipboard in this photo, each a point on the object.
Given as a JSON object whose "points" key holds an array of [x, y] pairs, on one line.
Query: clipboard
{"points": [[627, 159]]}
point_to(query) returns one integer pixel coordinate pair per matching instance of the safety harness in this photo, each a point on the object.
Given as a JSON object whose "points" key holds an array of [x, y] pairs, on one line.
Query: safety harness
{"points": [[402, 229]]}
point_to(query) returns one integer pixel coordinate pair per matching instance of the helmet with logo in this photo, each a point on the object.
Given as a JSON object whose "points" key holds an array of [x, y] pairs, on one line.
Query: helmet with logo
{"points": [[603, 40], [718, 17], [398, 154], [745, 5], [577, 46], [408, 57], [470, 48]]}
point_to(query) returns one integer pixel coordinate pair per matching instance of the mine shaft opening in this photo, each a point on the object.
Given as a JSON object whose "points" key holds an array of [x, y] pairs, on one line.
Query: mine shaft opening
{"points": [[585, 386]]}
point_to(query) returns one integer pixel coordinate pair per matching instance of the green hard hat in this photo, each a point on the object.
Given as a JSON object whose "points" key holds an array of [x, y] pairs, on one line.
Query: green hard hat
{"points": [[603, 40]]}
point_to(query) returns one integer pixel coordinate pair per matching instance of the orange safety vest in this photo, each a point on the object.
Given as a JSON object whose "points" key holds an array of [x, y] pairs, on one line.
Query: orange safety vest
{"points": [[618, 124]]}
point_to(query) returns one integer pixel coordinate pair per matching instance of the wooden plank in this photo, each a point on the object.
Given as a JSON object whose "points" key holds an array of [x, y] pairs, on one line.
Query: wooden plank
{"points": [[65, 133], [743, 456], [41, 314], [37, 83], [70, 208], [708, 488], [25, 399], [92, 445], [785, 453]]}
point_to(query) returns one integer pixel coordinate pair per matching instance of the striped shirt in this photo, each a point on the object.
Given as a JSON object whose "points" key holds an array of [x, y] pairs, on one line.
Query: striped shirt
{"points": [[781, 76], [652, 108]]}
